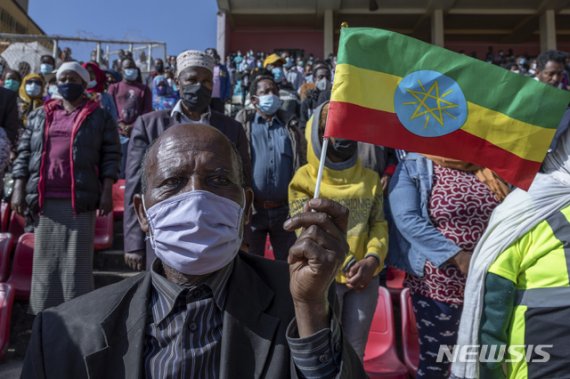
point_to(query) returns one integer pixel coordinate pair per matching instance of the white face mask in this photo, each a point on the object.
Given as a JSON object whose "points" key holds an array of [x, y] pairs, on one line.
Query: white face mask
{"points": [[322, 84], [197, 232]]}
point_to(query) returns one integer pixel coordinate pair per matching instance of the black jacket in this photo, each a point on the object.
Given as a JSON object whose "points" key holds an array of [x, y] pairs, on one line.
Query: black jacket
{"points": [[147, 129], [101, 334], [96, 155]]}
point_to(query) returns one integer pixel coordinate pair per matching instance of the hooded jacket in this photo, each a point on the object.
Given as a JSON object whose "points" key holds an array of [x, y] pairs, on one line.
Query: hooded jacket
{"points": [[95, 154], [353, 186]]}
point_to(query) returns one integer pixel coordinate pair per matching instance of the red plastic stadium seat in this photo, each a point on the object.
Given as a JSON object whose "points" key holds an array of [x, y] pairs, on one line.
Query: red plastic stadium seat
{"points": [[410, 339], [395, 282], [6, 302], [21, 276], [380, 356], [4, 216], [268, 254], [17, 224], [6, 249], [395, 278], [119, 198], [103, 232]]}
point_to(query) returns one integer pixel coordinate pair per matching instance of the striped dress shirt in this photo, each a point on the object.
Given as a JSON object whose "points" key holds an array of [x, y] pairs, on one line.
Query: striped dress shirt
{"points": [[184, 332]]}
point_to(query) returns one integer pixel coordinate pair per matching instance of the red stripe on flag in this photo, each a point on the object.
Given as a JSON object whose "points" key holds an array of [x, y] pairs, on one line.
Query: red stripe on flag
{"points": [[357, 123]]}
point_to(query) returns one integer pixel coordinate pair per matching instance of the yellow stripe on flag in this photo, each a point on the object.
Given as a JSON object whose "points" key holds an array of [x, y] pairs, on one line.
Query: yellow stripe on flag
{"points": [[522, 139], [366, 88], [375, 90]]}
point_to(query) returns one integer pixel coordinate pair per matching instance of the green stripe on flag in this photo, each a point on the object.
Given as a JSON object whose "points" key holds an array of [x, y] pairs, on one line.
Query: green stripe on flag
{"points": [[482, 83]]}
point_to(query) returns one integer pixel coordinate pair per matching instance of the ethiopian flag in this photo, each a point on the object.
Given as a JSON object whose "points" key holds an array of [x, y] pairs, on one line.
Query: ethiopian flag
{"points": [[399, 92]]}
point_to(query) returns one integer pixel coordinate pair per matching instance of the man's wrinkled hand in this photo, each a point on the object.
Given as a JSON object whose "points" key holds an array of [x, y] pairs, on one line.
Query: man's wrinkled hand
{"points": [[316, 256]]}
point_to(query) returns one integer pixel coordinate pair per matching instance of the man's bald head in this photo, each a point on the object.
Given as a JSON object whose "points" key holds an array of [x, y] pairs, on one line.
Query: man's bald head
{"points": [[186, 139]]}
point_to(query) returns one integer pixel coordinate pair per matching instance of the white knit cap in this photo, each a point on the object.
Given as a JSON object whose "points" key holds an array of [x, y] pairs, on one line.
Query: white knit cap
{"points": [[194, 58], [75, 67]]}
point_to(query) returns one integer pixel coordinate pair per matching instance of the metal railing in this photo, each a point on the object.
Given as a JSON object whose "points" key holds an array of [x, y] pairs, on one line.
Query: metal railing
{"points": [[55, 39]]}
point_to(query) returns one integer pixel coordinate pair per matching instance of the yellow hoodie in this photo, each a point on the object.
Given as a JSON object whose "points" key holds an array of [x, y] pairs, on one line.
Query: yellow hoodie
{"points": [[353, 186]]}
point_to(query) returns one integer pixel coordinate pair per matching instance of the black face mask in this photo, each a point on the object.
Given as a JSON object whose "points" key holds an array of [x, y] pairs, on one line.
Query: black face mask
{"points": [[70, 91], [195, 97], [159, 67], [343, 148]]}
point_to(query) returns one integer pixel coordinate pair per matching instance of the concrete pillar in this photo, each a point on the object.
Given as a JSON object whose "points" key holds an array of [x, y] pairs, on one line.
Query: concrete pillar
{"points": [[437, 34], [548, 30], [221, 37], [328, 33]]}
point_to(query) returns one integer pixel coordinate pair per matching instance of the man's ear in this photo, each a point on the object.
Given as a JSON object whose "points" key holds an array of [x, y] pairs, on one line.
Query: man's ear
{"points": [[248, 205], [141, 214]]}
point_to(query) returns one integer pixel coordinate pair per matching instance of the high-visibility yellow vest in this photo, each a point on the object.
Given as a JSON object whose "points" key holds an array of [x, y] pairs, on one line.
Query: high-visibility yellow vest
{"points": [[539, 266]]}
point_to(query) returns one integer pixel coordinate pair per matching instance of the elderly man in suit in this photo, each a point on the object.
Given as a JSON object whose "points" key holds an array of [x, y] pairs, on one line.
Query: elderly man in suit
{"points": [[205, 309]]}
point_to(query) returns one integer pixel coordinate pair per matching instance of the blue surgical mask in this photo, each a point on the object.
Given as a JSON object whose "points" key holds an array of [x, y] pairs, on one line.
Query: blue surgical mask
{"points": [[278, 74], [91, 84], [46, 68], [197, 232], [269, 104], [323, 84], [12, 84], [52, 90], [130, 74], [33, 89]]}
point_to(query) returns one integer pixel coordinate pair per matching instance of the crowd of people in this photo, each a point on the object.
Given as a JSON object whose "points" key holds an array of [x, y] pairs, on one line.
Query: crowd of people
{"points": [[196, 195]]}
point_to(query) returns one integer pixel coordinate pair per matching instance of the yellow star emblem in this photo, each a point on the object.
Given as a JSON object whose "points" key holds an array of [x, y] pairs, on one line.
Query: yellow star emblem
{"points": [[423, 109]]}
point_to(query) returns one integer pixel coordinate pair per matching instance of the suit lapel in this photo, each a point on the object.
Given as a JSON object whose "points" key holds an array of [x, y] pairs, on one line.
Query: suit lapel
{"points": [[248, 331], [123, 328]]}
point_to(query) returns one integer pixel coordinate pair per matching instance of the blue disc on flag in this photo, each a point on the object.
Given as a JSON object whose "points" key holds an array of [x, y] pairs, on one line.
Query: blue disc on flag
{"points": [[430, 104]]}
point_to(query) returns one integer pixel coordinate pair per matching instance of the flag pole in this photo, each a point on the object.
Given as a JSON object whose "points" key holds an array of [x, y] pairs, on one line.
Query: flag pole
{"points": [[324, 148], [321, 166]]}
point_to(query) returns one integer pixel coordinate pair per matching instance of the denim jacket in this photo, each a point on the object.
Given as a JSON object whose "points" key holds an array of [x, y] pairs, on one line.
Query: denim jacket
{"points": [[413, 237]]}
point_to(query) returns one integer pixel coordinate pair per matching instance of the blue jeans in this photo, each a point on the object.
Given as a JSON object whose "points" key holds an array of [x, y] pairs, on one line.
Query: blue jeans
{"points": [[270, 221]]}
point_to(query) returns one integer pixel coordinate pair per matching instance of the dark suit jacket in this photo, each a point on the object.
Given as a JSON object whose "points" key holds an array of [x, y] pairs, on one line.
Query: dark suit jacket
{"points": [[101, 334], [9, 114], [147, 129]]}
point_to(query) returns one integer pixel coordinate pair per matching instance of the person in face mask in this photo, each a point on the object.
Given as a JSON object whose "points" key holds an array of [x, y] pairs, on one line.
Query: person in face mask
{"points": [[96, 89], [221, 84], [322, 92], [30, 96], [68, 158], [163, 95], [242, 313], [293, 76], [346, 181], [194, 77], [158, 70], [47, 67], [132, 99], [277, 152], [12, 80]]}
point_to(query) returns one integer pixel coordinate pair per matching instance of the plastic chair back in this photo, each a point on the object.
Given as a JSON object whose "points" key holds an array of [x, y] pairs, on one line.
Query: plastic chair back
{"points": [[21, 275]]}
